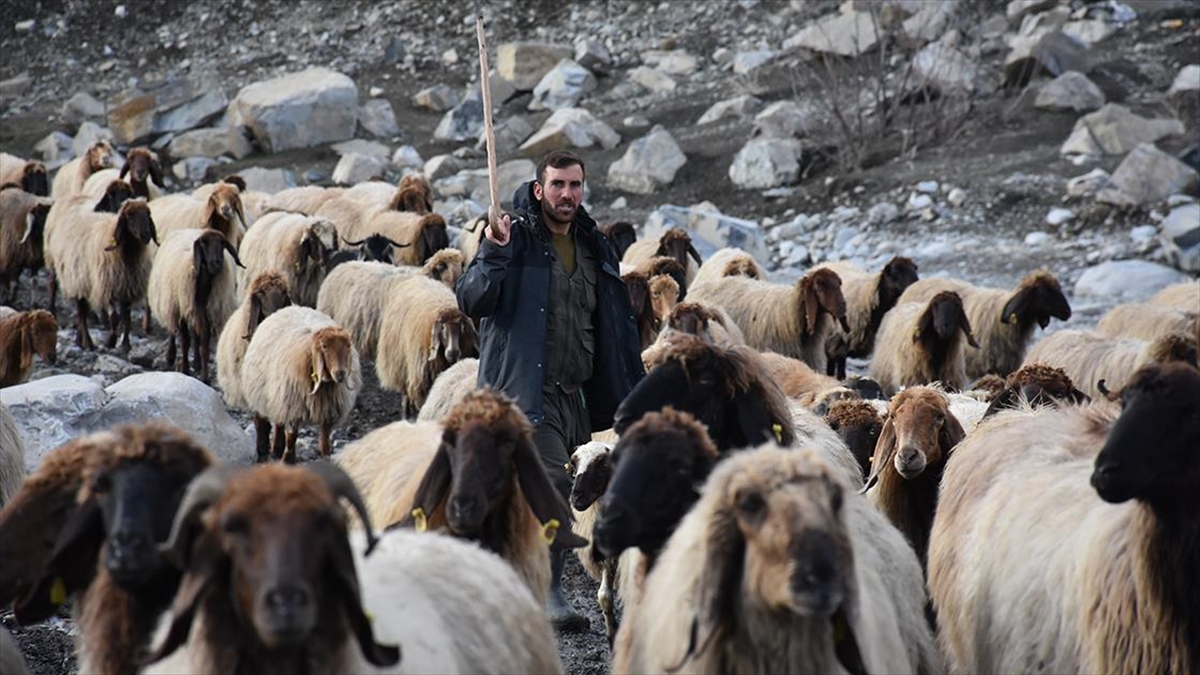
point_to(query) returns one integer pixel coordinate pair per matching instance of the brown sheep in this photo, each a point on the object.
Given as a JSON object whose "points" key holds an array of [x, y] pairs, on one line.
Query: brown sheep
{"points": [[868, 298], [639, 299], [665, 294], [921, 343], [21, 336], [22, 226], [795, 377], [794, 321], [665, 265], [621, 234], [675, 243], [1002, 321], [29, 175], [414, 195], [143, 167], [1036, 384], [859, 424], [70, 178]]}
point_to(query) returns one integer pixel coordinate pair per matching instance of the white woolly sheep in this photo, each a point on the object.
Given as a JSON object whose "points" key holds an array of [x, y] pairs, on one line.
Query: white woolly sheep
{"points": [[471, 238], [1146, 321], [221, 211], [794, 321], [1064, 539], [102, 261], [29, 175], [306, 199], [1002, 321], [12, 456], [868, 298], [268, 293], [1184, 296], [71, 176], [450, 387], [22, 335], [476, 475], [780, 568], [425, 234], [422, 333], [296, 246], [191, 292], [1089, 358], [921, 343], [730, 262], [22, 227], [300, 368], [144, 171]]}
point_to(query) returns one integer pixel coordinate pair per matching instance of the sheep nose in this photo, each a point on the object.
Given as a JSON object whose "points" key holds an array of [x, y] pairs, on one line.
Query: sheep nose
{"points": [[287, 599], [462, 507], [226, 212], [125, 542], [910, 461], [339, 375]]}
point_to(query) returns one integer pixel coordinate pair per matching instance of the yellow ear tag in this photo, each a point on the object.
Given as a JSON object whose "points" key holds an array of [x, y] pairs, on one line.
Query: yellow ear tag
{"points": [[778, 429], [420, 524], [315, 377], [550, 530], [112, 242], [58, 592]]}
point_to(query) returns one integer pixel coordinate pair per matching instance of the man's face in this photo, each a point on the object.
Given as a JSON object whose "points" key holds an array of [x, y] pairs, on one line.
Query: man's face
{"points": [[561, 194]]}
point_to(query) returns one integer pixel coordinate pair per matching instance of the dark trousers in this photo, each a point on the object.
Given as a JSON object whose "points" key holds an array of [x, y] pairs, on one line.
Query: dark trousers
{"points": [[564, 427]]}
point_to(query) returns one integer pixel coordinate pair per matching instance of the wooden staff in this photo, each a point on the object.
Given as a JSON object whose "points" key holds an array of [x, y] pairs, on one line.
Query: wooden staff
{"points": [[489, 132]]}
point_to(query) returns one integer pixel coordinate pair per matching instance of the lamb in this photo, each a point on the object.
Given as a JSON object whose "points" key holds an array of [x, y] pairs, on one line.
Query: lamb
{"points": [[591, 470], [922, 342], [433, 597], [1184, 296], [22, 225], [482, 480], [1089, 359], [306, 199], [620, 234], [1036, 384], [422, 333], [1003, 321], [221, 211], [296, 246], [29, 175], [21, 336], [268, 293], [794, 321], [192, 292], [102, 261], [450, 387], [144, 171], [300, 368], [675, 243], [1146, 321], [1090, 521], [868, 298], [70, 178], [780, 568], [12, 457], [85, 526], [730, 262], [859, 424]]}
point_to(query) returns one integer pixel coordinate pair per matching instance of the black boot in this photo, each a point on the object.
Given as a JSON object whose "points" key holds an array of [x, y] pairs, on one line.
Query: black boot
{"points": [[558, 608]]}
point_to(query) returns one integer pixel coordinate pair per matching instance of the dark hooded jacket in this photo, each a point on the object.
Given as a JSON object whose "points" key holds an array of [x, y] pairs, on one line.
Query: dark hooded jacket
{"points": [[507, 289]]}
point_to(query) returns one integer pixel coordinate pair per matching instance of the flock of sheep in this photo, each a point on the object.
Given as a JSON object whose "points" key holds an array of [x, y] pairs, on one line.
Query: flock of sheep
{"points": [[974, 504]]}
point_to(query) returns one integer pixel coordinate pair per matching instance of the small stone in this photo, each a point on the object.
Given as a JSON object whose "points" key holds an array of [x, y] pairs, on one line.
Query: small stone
{"points": [[353, 169], [957, 197], [635, 122], [619, 204], [1143, 233], [442, 166], [438, 98], [1088, 184], [918, 201], [929, 187], [1036, 238], [450, 56], [315, 176], [192, 169], [883, 213], [24, 26], [1058, 216], [656, 81]]}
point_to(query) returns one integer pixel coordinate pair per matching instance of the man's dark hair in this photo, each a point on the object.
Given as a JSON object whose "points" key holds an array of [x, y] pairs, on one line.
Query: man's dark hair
{"points": [[559, 159]]}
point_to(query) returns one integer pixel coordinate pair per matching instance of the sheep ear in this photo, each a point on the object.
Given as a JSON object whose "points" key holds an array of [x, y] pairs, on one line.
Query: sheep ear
{"points": [[206, 561], [27, 346], [548, 506], [124, 169], [255, 316], [345, 578], [156, 174], [197, 255], [435, 484], [811, 306], [965, 325], [1016, 307], [951, 434], [434, 342], [756, 424], [1006, 399], [240, 209], [885, 448], [694, 253], [71, 567], [719, 584], [845, 643]]}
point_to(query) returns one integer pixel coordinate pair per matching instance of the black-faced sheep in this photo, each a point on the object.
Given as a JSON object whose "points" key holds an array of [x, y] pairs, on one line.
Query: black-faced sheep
{"points": [[22, 227], [1002, 321], [294, 245], [300, 368], [102, 261], [1146, 321], [917, 440], [477, 475], [1089, 523], [375, 247], [794, 321], [269, 582], [638, 286], [675, 243], [426, 233], [923, 342], [422, 332], [21, 337], [621, 234], [1089, 358], [730, 262], [29, 175], [70, 178], [859, 423], [87, 527], [71, 216], [191, 292], [12, 456], [868, 298], [779, 568], [1184, 296], [591, 470], [1036, 384]]}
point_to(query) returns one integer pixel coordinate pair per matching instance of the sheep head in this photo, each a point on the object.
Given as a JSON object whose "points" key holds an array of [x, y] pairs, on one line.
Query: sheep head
{"points": [[332, 357], [942, 319], [591, 468], [1171, 347], [452, 336], [272, 541], [659, 462], [100, 155], [621, 234], [1150, 453], [445, 266], [224, 203], [236, 181], [432, 237], [691, 318], [414, 195], [859, 425], [34, 179], [35, 226], [268, 293], [676, 243], [376, 247], [1038, 298], [1036, 384], [115, 195], [726, 388], [821, 293], [898, 274], [141, 164], [664, 296], [919, 435], [638, 286], [741, 267], [486, 452], [777, 544], [666, 265], [39, 335], [208, 253], [318, 242], [134, 228]]}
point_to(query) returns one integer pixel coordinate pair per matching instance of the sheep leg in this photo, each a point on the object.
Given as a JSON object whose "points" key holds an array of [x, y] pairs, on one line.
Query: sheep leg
{"points": [[83, 339], [52, 286], [202, 346], [262, 438], [289, 452], [127, 322], [277, 442], [171, 351], [185, 345], [605, 599], [325, 431], [146, 326]]}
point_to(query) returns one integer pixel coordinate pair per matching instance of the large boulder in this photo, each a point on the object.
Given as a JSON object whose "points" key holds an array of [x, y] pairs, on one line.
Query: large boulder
{"points": [[88, 134], [213, 142], [562, 87], [930, 21], [509, 134], [653, 80], [673, 62], [1125, 280], [524, 64], [378, 119], [55, 149], [463, 122], [1188, 80], [438, 98], [570, 128], [135, 115], [1089, 31], [650, 163], [783, 119], [948, 69], [312, 107], [1181, 237], [1115, 130], [81, 107], [473, 184], [741, 107], [1049, 53], [54, 410], [259, 179], [354, 168], [844, 34], [1145, 176], [766, 163], [1070, 91]]}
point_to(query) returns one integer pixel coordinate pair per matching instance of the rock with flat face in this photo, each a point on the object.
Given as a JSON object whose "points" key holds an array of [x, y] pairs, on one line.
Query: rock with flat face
{"points": [[650, 163], [524, 64], [844, 34], [1145, 176], [1070, 91], [312, 107], [1115, 130]]}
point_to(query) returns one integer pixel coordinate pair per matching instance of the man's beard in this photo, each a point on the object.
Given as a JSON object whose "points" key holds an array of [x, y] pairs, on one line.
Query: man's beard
{"points": [[562, 218]]}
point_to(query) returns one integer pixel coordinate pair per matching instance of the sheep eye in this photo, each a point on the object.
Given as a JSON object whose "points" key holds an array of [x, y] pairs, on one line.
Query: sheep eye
{"points": [[101, 484], [751, 503], [235, 523]]}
